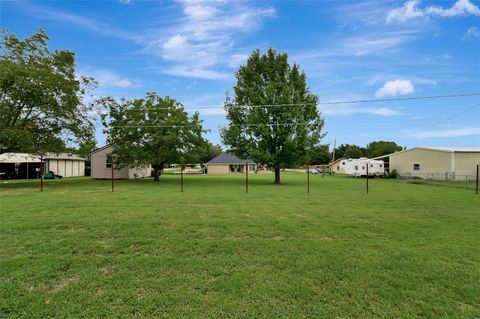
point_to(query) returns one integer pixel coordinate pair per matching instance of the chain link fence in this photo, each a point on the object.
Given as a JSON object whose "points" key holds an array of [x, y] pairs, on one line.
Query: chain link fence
{"points": [[447, 179]]}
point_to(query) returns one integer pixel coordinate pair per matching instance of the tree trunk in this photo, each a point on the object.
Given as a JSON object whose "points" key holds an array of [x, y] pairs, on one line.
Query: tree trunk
{"points": [[157, 168], [277, 176]]}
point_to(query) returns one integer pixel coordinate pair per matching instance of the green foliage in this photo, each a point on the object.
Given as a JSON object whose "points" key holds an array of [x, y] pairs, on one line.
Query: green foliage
{"points": [[259, 133], [380, 148], [320, 155], [152, 130], [209, 152], [41, 98], [354, 151], [349, 151], [393, 174], [88, 145], [373, 149]]}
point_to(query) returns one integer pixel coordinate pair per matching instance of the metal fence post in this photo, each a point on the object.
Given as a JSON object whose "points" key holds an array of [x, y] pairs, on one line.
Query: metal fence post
{"points": [[308, 178], [113, 175], [367, 177], [42, 168], [476, 184], [246, 177], [181, 178]]}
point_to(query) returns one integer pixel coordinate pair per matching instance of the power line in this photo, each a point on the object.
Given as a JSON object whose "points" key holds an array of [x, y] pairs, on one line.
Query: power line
{"points": [[462, 112], [321, 103], [281, 124]]}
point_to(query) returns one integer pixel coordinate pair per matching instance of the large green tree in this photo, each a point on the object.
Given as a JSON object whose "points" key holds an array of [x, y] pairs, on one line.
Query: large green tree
{"points": [[320, 155], [355, 151], [273, 116], [349, 151], [152, 130], [41, 97], [209, 152], [380, 148]]}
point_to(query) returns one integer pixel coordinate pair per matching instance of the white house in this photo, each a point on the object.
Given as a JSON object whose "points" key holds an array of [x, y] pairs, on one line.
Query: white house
{"points": [[101, 163]]}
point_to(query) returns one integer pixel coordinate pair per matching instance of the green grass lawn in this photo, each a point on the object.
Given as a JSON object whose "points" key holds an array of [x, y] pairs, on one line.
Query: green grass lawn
{"points": [[147, 250]]}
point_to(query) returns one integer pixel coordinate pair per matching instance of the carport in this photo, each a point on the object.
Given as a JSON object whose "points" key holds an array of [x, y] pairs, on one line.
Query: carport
{"points": [[19, 166]]}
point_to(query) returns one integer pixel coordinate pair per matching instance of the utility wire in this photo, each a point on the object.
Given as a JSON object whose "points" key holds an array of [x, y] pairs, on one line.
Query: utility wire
{"points": [[278, 124], [462, 112], [321, 103]]}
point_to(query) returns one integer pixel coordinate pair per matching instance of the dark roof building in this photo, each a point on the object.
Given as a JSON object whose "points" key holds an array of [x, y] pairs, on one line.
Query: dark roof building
{"points": [[225, 158]]}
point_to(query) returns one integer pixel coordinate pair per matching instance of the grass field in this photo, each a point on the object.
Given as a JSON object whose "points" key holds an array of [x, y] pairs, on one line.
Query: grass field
{"points": [[147, 250]]}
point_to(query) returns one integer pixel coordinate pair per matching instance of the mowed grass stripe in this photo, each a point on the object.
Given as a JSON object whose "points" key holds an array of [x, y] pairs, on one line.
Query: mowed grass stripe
{"points": [[148, 250]]}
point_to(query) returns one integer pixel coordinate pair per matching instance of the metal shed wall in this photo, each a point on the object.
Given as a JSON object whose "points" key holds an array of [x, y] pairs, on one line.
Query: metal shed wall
{"points": [[430, 161]]}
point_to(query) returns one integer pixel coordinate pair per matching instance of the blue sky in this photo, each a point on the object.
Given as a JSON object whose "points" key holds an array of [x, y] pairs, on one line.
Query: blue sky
{"points": [[350, 50]]}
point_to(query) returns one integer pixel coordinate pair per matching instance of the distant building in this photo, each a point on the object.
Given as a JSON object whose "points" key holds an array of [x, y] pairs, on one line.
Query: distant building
{"points": [[227, 164], [65, 164], [101, 163], [452, 163], [337, 167], [26, 166]]}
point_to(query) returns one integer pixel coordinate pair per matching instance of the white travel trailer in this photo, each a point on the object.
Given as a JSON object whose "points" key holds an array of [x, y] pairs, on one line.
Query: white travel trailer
{"points": [[358, 167]]}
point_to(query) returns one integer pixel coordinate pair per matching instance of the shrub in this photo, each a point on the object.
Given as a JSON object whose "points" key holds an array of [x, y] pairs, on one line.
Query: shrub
{"points": [[393, 174]]}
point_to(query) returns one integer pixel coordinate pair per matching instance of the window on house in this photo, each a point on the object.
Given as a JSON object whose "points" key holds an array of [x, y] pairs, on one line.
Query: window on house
{"points": [[343, 163], [416, 167], [108, 162], [356, 167], [380, 165], [371, 165], [363, 167]]}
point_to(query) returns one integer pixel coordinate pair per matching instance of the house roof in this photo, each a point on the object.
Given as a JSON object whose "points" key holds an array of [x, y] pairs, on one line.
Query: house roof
{"points": [[18, 158], [338, 159], [225, 158], [100, 149], [438, 149], [64, 156], [30, 158], [452, 149]]}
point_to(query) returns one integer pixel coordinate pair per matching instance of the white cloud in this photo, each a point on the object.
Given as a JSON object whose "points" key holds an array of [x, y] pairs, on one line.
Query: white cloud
{"points": [[395, 87], [206, 104], [195, 72], [372, 43], [48, 13], [460, 8], [200, 11], [205, 37], [472, 32], [407, 12], [336, 110], [410, 10], [109, 79], [125, 1], [459, 132]]}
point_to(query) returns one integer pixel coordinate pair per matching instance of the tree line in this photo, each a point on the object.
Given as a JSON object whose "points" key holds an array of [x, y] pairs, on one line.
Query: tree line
{"points": [[272, 115]]}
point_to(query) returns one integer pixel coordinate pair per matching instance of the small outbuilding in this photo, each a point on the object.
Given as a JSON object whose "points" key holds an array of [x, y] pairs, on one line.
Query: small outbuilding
{"points": [[336, 166], [444, 163], [101, 165], [65, 164], [26, 166], [227, 164]]}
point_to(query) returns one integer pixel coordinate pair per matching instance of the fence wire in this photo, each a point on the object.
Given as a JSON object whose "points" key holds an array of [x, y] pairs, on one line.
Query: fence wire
{"points": [[446, 179]]}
